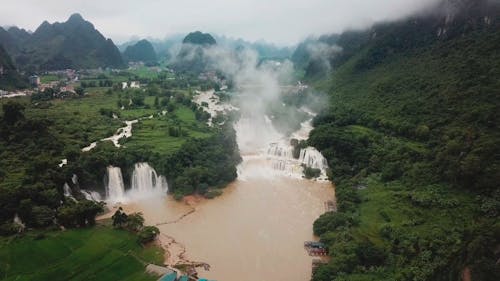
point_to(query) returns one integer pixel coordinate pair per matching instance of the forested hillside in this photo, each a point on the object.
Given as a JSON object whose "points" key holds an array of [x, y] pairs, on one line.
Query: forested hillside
{"points": [[412, 138], [141, 51], [9, 77], [191, 57], [71, 44]]}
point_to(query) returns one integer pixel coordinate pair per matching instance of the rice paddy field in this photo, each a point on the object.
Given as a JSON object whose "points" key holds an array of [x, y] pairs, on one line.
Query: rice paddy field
{"points": [[97, 253]]}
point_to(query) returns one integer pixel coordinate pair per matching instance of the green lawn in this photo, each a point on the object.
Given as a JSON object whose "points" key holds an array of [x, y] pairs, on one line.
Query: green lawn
{"points": [[98, 253]]}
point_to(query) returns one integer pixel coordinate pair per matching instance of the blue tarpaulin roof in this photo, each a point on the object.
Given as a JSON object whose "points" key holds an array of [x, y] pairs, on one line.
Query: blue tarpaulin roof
{"points": [[169, 277]]}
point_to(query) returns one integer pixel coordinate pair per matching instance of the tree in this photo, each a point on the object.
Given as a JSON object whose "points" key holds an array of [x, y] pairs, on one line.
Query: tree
{"points": [[135, 222], [42, 216], [67, 216], [156, 103], [119, 218], [12, 112], [137, 99], [80, 91], [87, 211], [81, 214], [147, 234]]}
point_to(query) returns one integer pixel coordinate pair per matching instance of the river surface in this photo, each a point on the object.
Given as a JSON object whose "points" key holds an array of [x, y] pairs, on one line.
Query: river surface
{"points": [[256, 229]]}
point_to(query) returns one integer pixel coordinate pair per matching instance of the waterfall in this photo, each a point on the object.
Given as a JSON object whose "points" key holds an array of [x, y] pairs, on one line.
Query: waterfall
{"points": [[146, 182], [17, 220], [74, 179], [281, 151], [67, 190], [91, 195], [281, 157], [115, 190], [312, 158]]}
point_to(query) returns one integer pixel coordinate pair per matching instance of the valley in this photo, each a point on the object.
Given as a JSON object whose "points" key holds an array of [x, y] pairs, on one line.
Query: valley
{"points": [[362, 144]]}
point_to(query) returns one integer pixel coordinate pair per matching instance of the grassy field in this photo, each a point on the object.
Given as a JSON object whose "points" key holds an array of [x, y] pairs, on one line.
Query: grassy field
{"points": [[144, 72], [49, 78], [98, 253]]}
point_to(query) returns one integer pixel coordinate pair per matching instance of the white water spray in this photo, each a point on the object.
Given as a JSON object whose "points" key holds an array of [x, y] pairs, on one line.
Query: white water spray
{"points": [[146, 182], [91, 195], [115, 189]]}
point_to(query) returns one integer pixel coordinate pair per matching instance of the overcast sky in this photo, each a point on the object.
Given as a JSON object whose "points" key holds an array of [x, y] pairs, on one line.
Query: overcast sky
{"points": [[283, 22]]}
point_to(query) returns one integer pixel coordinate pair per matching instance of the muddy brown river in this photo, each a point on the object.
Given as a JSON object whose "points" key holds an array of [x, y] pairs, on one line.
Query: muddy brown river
{"points": [[254, 231]]}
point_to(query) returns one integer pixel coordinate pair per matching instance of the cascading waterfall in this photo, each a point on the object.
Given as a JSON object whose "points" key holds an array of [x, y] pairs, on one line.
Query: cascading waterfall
{"points": [[146, 182], [67, 190], [74, 179], [91, 195], [278, 150], [311, 157], [282, 160], [115, 189]]}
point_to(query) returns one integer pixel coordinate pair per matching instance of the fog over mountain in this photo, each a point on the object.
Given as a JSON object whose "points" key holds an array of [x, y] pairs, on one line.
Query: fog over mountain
{"points": [[283, 22]]}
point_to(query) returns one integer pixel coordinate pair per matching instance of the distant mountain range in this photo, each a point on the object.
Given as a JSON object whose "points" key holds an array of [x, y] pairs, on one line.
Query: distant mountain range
{"points": [[71, 44], [448, 19], [170, 47], [140, 51]]}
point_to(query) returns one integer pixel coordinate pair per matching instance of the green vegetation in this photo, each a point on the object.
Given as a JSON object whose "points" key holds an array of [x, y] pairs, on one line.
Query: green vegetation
{"points": [[199, 38], [49, 78], [135, 223], [171, 134], [141, 51], [97, 253], [411, 137], [9, 77]]}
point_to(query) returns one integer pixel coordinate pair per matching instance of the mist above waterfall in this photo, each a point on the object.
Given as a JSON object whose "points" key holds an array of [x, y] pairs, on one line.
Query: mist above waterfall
{"points": [[262, 87]]}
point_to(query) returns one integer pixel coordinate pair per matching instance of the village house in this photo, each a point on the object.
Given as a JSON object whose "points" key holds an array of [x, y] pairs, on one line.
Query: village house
{"points": [[34, 80]]}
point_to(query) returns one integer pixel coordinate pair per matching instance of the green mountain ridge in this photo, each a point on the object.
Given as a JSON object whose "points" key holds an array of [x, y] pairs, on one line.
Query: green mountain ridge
{"points": [[141, 51], [71, 44], [412, 138], [191, 57], [199, 38]]}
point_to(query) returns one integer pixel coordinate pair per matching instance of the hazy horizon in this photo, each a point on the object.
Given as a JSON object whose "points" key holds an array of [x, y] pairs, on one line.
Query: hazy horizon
{"points": [[282, 22]]}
